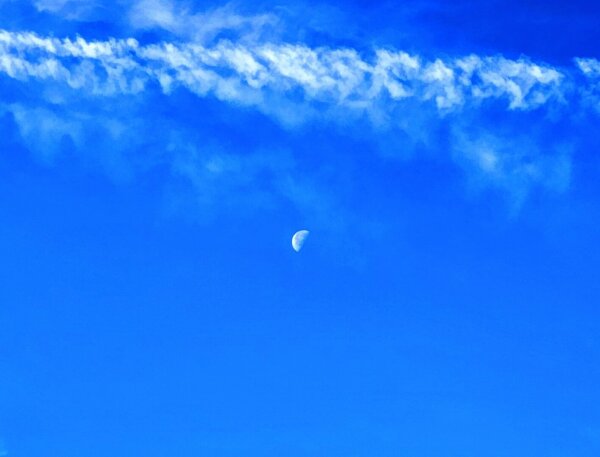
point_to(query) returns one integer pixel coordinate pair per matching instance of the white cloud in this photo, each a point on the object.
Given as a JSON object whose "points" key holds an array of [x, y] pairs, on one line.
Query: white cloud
{"points": [[43, 131], [513, 164], [68, 9], [589, 67], [590, 92], [197, 27], [50, 5], [239, 72], [295, 83], [154, 13]]}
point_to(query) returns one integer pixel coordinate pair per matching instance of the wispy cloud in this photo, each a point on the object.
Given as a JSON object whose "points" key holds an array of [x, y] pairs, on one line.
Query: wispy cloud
{"points": [[591, 89], [392, 90], [198, 27], [68, 9], [242, 72], [512, 164]]}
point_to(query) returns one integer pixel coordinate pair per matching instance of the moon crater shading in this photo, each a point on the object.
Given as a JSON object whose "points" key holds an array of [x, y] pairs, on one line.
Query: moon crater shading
{"points": [[298, 239]]}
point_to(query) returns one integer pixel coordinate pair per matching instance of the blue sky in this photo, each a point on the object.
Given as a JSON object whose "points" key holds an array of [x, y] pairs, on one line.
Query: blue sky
{"points": [[156, 158]]}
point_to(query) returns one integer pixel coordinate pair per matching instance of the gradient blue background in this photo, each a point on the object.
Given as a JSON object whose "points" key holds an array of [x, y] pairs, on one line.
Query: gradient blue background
{"points": [[439, 322]]}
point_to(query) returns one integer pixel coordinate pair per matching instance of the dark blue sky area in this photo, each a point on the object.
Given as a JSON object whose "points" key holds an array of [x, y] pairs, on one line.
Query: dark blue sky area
{"points": [[554, 30]]}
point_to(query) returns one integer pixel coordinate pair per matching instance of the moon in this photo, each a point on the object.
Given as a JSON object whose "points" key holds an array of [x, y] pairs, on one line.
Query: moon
{"points": [[299, 238]]}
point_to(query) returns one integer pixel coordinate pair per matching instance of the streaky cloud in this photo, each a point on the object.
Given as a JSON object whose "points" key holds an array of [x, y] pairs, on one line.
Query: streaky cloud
{"points": [[294, 83], [591, 90], [243, 73]]}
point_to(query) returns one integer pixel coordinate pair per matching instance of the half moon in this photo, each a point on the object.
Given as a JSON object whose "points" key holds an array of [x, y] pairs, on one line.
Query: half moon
{"points": [[298, 239]]}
